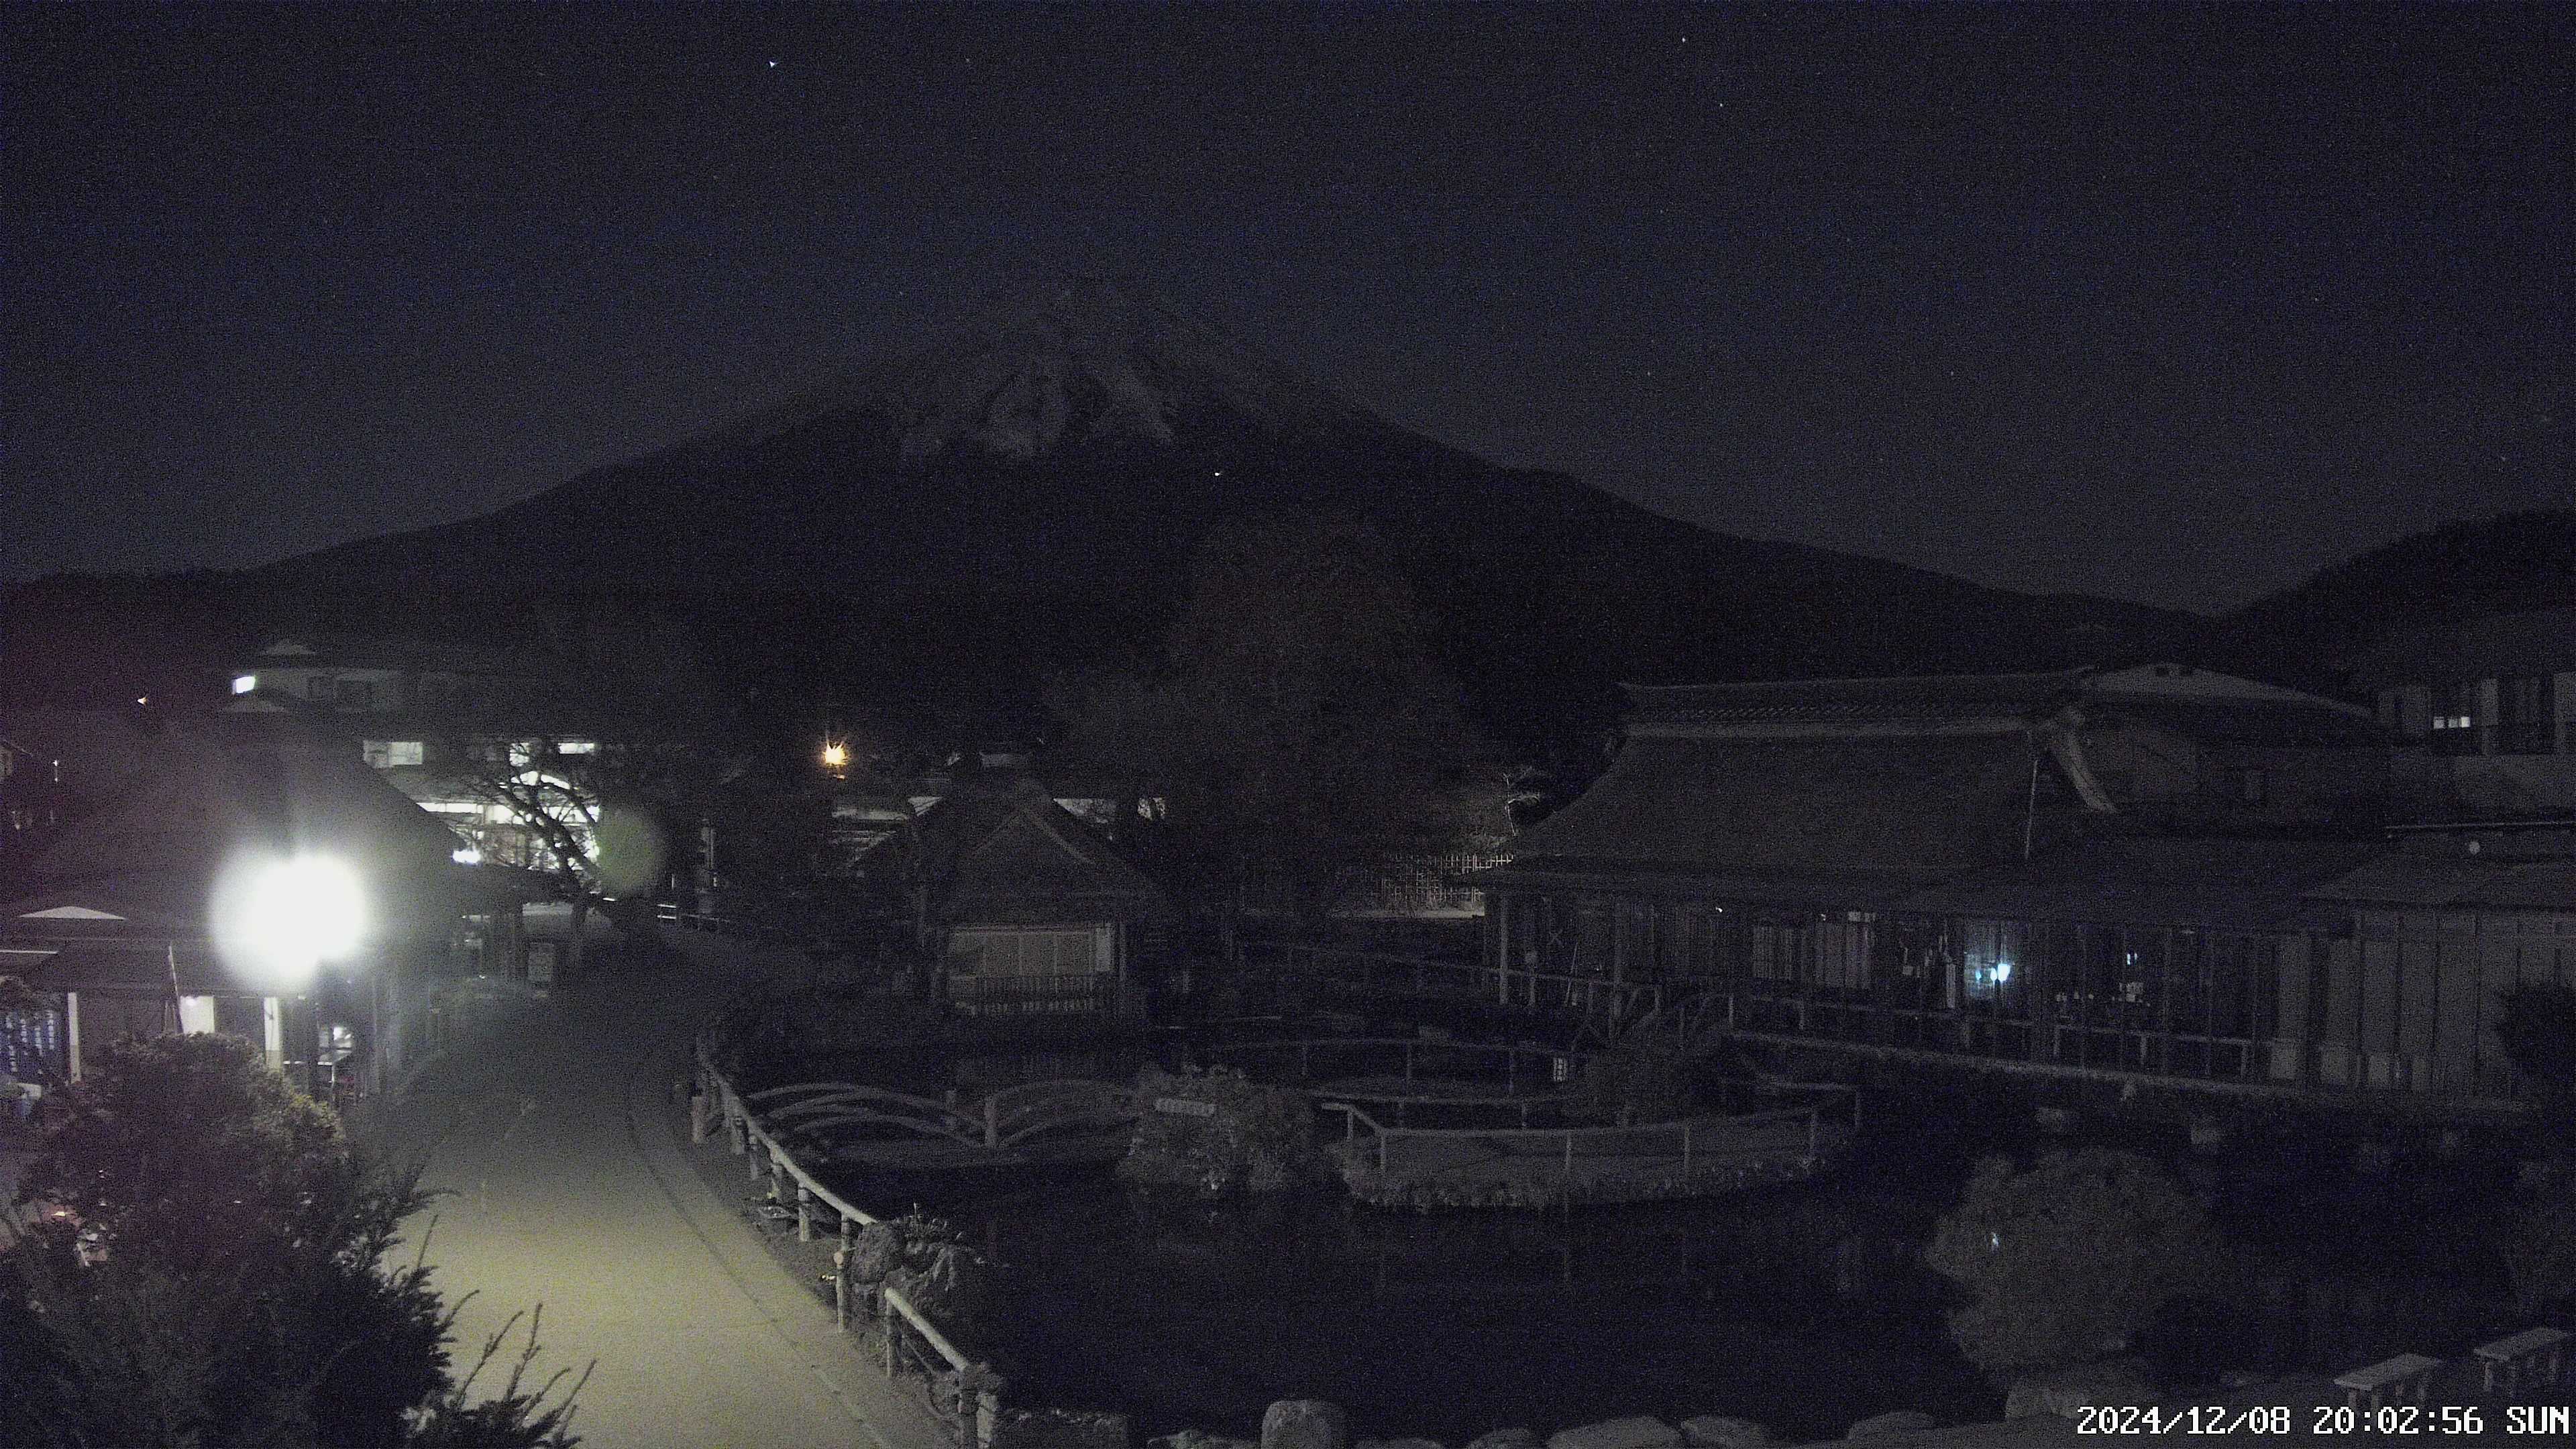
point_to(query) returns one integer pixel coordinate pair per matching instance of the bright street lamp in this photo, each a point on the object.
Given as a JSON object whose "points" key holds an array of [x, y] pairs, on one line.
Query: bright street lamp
{"points": [[277, 920]]}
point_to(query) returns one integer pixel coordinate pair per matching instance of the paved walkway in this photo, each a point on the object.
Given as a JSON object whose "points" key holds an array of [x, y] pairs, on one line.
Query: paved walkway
{"points": [[562, 1152]]}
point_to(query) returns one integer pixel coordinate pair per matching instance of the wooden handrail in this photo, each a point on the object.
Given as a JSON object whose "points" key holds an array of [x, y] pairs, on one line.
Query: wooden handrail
{"points": [[862, 1117], [938, 1341], [736, 1111], [938, 1117]]}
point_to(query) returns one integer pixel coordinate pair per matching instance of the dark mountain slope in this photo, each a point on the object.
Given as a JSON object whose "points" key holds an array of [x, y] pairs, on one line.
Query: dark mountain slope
{"points": [[1022, 499], [2507, 563]]}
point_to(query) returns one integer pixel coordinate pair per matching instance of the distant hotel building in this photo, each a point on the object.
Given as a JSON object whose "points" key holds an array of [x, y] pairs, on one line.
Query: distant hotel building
{"points": [[2484, 714]]}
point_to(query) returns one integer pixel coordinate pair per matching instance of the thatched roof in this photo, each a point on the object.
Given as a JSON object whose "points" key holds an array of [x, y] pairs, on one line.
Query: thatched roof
{"points": [[214, 789], [2444, 874], [2261, 723], [1877, 813], [1002, 851], [2233, 884]]}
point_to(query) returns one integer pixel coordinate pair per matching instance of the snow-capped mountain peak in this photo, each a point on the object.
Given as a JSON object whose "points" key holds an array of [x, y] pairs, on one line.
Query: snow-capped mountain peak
{"points": [[1088, 360]]}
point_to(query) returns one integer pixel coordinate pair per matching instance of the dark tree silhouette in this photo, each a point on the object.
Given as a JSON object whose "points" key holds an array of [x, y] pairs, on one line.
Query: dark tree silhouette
{"points": [[1301, 729]]}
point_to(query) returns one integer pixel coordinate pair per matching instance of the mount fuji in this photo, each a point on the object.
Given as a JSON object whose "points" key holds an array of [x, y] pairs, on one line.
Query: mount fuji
{"points": [[1021, 499]]}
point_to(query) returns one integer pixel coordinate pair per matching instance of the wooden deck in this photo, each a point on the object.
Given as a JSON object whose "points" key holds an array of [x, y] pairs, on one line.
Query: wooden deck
{"points": [[1527, 1167]]}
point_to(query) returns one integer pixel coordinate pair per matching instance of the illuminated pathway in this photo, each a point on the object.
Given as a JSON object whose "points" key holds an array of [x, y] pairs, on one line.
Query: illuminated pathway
{"points": [[569, 1189]]}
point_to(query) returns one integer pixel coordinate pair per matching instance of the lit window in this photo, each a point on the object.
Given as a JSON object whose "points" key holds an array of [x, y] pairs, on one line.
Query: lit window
{"points": [[245, 683], [523, 753], [2455, 718], [577, 747]]}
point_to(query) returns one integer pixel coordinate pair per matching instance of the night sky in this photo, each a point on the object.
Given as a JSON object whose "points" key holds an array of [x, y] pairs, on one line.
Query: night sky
{"points": [[2166, 304]]}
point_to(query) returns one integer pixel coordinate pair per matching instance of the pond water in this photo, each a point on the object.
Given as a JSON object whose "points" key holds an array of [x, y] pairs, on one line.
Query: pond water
{"points": [[1804, 1307], [1801, 1307]]}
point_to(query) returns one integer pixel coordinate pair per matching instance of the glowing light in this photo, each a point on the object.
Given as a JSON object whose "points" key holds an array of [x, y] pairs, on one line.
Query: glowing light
{"points": [[466, 855], [2003, 972], [835, 755], [245, 683], [281, 919]]}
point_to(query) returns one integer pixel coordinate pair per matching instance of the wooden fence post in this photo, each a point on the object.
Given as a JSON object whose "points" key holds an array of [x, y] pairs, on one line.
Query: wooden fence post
{"points": [[841, 1287], [698, 1115], [804, 1214], [988, 1415], [887, 1324]]}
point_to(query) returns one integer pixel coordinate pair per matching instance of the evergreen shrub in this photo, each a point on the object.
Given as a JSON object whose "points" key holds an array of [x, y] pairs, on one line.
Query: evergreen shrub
{"points": [[2070, 1260], [1259, 1139]]}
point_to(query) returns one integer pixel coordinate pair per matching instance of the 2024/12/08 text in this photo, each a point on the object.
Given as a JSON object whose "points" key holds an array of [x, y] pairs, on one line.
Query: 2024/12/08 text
{"points": [[2403, 1421]]}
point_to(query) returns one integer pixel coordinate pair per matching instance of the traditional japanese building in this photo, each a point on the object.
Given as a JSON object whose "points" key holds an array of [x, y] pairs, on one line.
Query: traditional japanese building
{"points": [[2154, 872], [119, 925], [1025, 907]]}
